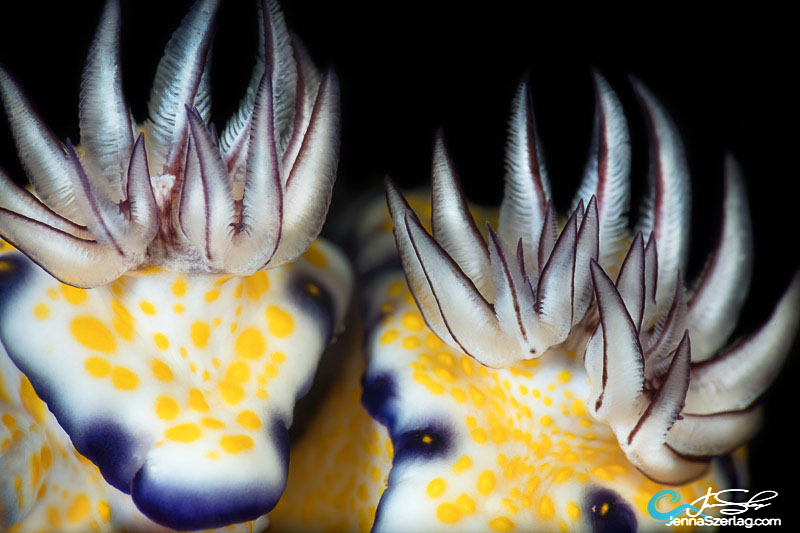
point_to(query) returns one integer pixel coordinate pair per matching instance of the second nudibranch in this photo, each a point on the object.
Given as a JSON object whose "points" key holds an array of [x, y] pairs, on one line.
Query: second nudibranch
{"points": [[554, 375], [164, 300]]}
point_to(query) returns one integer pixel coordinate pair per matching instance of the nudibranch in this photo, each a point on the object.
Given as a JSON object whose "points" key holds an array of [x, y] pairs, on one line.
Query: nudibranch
{"points": [[164, 299], [552, 375]]}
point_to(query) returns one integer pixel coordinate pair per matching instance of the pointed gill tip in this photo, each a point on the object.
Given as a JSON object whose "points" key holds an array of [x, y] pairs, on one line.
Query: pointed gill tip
{"points": [[685, 339], [598, 80], [493, 234], [644, 95], [595, 268]]}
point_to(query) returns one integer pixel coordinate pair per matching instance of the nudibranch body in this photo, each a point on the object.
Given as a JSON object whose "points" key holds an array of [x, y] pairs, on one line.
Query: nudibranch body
{"points": [[191, 302], [552, 376]]}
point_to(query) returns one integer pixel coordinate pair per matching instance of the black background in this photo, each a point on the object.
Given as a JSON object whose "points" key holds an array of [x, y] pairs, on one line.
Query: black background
{"points": [[407, 68]]}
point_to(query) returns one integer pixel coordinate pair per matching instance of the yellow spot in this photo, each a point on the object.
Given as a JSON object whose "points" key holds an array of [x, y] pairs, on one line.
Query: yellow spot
{"points": [[313, 289], [445, 374], [563, 474], [79, 508], [212, 423], [46, 456], [411, 343], [281, 323], [479, 435], [546, 508], [478, 398], [427, 439], [578, 409], [122, 321], [93, 334], [35, 407], [546, 420], [36, 469], [97, 367], [574, 511], [9, 421], [232, 393], [161, 340], [74, 295], [412, 320], [389, 336], [53, 517], [41, 311], [436, 488], [217, 321], [501, 523], [166, 408], [486, 482], [602, 473], [448, 513], [564, 376], [179, 287], [183, 433], [465, 504], [271, 370], [248, 419], [458, 394], [200, 333], [255, 285], [463, 463], [278, 358], [104, 510], [236, 443], [147, 307], [604, 509], [250, 344], [213, 455], [211, 295], [149, 271], [161, 370], [124, 379], [238, 371], [178, 308], [197, 401], [395, 288], [314, 256]]}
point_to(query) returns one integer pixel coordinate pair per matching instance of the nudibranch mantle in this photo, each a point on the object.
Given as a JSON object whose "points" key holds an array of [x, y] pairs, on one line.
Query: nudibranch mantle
{"points": [[191, 302], [179, 387]]}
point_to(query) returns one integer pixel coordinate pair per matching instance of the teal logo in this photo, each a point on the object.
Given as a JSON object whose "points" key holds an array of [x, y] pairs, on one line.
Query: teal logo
{"points": [[656, 501]]}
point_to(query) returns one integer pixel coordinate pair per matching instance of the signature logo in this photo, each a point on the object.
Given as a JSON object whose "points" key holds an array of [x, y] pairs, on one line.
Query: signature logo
{"points": [[722, 500]]}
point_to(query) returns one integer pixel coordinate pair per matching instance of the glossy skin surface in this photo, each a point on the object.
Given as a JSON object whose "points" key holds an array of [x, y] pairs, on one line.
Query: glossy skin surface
{"points": [[514, 429], [469, 448], [172, 384], [529, 391]]}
